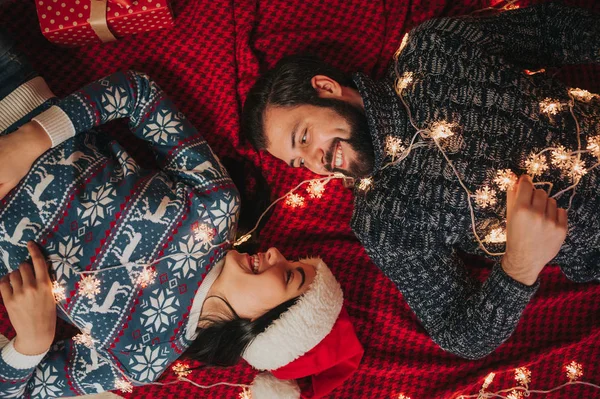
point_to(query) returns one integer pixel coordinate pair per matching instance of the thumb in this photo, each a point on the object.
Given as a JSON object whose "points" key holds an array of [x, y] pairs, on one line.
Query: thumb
{"points": [[511, 196]]}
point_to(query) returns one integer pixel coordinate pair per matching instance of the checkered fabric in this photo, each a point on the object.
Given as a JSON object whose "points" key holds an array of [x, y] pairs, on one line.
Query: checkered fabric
{"points": [[206, 64]]}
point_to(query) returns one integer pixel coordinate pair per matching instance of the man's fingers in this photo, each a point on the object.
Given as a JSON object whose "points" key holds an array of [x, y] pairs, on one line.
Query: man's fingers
{"points": [[5, 289], [27, 274], [540, 199], [551, 209], [39, 263], [562, 217], [524, 190], [15, 280]]}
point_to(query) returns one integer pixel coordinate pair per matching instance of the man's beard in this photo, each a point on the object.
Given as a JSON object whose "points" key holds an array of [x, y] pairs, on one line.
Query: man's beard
{"points": [[360, 140]]}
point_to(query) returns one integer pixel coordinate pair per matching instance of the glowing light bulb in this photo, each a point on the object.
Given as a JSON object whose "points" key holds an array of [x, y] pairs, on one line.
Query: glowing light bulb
{"points": [[89, 286], [582, 95], [181, 369], [403, 396], [574, 371], [496, 236], [578, 170], [594, 146], [404, 81], [561, 158], [485, 197], [514, 394], [523, 375], [488, 380], [536, 165], [123, 385], [505, 179], [294, 201], [550, 106], [529, 72], [393, 146], [84, 339], [365, 184], [58, 291], [245, 394], [316, 189], [441, 130], [147, 276], [242, 240], [203, 232]]}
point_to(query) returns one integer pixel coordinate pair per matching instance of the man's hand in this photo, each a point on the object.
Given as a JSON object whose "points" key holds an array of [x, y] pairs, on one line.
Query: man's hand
{"points": [[30, 304], [18, 151], [535, 230]]}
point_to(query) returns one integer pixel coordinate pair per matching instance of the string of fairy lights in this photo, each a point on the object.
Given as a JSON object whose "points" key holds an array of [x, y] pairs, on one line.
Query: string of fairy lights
{"points": [[568, 161]]}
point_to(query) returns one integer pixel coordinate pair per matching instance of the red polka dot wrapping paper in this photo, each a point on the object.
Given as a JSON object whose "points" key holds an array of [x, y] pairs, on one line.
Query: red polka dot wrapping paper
{"points": [[206, 63], [66, 22]]}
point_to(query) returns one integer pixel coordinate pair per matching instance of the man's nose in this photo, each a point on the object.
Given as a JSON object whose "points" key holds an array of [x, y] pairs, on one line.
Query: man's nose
{"points": [[316, 160]]}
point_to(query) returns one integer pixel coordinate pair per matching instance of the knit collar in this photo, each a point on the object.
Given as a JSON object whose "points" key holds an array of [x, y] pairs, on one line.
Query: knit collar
{"points": [[385, 114]]}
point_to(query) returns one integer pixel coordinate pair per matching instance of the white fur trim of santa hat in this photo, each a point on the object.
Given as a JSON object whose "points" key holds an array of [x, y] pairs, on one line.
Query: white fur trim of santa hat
{"points": [[267, 386], [302, 326]]}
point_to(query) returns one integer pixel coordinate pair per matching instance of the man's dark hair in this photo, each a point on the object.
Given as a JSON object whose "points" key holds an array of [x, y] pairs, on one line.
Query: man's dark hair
{"points": [[221, 341], [286, 85]]}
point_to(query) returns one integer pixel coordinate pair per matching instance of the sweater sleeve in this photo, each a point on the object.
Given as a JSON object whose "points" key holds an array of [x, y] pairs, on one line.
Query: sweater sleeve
{"points": [[179, 148], [545, 35], [68, 369], [462, 315]]}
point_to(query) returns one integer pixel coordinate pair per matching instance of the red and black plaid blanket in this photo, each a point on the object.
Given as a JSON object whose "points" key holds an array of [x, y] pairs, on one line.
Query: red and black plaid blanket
{"points": [[206, 64]]}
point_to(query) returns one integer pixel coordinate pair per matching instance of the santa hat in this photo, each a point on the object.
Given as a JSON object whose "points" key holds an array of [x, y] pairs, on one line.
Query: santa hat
{"points": [[313, 338]]}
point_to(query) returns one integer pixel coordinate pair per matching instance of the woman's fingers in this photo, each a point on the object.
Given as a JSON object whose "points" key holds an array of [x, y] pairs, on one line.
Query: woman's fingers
{"points": [[39, 263], [16, 281], [5, 289], [27, 274]]}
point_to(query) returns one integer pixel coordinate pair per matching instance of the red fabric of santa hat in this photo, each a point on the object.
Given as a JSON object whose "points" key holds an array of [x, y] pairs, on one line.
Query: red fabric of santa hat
{"points": [[314, 338]]}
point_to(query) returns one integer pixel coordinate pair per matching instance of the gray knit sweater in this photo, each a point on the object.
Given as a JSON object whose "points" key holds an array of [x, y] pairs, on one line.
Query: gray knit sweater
{"points": [[415, 220]]}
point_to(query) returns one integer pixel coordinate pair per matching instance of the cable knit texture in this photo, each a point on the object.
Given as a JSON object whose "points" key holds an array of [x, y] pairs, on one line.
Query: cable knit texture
{"points": [[415, 220]]}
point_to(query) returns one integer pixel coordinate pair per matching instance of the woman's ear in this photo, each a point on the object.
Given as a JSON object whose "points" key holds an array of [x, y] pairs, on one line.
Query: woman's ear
{"points": [[326, 87]]}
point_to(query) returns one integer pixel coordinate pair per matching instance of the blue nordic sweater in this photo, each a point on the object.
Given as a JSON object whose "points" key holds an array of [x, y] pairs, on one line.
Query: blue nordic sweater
{"points": [[92, 208]]}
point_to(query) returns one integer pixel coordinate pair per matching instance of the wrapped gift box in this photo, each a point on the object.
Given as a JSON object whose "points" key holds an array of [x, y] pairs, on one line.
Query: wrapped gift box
{"points": [[79, 22]]}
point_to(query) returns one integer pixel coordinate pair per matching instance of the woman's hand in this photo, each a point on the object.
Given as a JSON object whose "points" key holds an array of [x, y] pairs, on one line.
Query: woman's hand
{"points": [[30, 304], [535, 230], [18, 151]]}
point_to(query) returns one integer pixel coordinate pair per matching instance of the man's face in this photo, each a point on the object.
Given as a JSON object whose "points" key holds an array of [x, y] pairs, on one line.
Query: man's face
{"points": [[324, 139]]}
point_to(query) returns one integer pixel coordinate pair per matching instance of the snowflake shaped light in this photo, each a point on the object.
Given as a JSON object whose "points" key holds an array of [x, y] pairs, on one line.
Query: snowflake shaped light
{"points": [[181, 369], [147, 276], [594, 146], [58, 291], [514, 394], [441, 130], [123, 385], [245, 394], [393, 146], [84, 339], [89, 286], [582, 95], [316, 189], [403, 396], [523, 375], [505, 179], [496, 236], [403, 81], [365, 184], [203, 233], [550, 106], [561, 158], [536, 165], [578, 170], [485, 197], [574, 371], [488, 380], [294, 201]]}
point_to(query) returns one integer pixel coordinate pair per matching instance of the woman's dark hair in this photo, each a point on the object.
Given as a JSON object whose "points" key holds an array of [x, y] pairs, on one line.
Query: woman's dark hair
{"points": [[221, 341], [288, 84]]}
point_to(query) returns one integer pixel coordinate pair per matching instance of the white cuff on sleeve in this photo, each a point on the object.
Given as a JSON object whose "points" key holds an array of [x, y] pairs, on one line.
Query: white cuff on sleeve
{"points": [[23, 100], [18, 360], [57, 125]]}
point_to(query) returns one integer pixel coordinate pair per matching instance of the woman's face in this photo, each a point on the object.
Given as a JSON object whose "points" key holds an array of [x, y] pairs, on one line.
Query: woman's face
{"points": [[254, 284]]}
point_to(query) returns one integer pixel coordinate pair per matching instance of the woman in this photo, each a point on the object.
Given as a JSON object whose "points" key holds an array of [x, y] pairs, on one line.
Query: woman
{"points": [[143, 256]]}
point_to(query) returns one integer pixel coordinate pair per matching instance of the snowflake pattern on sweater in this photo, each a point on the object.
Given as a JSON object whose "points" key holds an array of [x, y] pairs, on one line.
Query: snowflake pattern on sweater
{"points": [[92, 208]]}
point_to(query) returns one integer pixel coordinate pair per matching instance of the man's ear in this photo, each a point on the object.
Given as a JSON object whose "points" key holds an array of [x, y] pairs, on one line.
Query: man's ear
{"points": [[326, 87]]}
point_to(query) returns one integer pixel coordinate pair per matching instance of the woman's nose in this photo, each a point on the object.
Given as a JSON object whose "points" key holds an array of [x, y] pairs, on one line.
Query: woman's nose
{"points": [[272, 256]]}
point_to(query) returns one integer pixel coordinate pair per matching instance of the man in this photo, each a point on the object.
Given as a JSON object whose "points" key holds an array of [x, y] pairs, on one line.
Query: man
{"points": [[463, 103]]}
